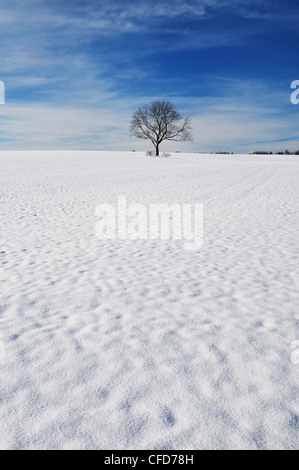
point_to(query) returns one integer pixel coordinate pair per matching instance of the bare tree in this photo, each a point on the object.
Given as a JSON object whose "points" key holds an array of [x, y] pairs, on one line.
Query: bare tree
{"points": [[160, 121]]}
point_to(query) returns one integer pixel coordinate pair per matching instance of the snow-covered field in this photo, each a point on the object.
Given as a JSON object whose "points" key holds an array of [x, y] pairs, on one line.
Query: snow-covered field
{"points": [[141, 344]]}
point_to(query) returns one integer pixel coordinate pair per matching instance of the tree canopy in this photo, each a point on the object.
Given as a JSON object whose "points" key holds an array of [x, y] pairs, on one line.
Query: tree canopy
{"points": [[160, 121]]}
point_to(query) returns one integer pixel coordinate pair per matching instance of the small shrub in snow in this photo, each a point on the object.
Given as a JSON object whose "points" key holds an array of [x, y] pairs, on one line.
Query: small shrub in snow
{"points": [[149, 153], [165, 154]]}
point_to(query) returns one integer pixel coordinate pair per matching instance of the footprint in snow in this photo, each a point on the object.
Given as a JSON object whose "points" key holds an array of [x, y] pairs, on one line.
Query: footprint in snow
{"points": [[168, 417]]}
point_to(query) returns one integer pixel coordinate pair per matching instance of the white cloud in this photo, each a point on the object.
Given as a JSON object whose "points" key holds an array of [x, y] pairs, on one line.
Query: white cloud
{"points": [[79, 105], [219, 123]]}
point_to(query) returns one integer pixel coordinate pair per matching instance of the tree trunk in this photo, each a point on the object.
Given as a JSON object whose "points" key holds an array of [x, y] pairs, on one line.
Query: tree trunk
{"points": [[157, 150]]}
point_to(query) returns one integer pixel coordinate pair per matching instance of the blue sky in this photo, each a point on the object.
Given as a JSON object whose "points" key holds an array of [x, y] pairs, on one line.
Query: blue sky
{"points": [[75, 71]]}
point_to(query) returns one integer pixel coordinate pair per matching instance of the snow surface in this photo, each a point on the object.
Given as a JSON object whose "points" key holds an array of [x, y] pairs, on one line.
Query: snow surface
{"points": [[141, 344]]}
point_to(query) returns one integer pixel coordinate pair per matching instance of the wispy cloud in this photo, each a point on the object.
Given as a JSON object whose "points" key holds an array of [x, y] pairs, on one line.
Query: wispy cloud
{"points": [[74, 71], [232, 122]]}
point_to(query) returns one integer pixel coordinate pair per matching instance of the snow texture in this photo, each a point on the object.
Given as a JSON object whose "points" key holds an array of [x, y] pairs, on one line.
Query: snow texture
{"points": [[141, 344]]}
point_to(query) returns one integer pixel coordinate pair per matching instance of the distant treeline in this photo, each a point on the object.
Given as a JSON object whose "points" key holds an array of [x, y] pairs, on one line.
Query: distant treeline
{"points": [[224, 153], [286, 152], [263, 152]]}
